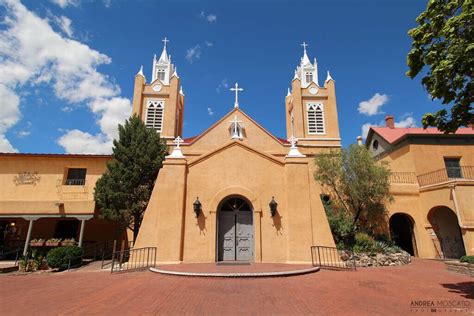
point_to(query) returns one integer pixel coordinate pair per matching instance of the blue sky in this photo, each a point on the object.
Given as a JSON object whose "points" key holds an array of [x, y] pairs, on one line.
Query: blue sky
{"points": [[68, 96]]}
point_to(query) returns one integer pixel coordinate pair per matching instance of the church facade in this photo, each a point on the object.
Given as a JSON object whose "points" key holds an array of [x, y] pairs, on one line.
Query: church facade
{"points": [[236, 192]]}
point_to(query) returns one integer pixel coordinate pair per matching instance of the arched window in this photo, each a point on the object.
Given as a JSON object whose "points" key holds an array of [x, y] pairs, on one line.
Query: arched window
{"points": [[309, 76], [315, 118], [160, 74], [154, 114]]}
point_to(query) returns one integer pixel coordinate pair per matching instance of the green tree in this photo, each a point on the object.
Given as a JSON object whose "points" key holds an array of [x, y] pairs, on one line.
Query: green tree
{"points": [[443, 41], [123, 191], [358, 187]]}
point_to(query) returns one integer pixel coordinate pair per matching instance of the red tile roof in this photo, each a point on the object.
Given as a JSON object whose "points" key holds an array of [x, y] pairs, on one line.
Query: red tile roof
{"points": [[393, 134]]}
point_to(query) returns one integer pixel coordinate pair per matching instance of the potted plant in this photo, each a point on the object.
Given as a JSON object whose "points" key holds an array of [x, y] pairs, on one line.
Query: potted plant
{"points": [[53, 242], [37, 242], [68, 242]]}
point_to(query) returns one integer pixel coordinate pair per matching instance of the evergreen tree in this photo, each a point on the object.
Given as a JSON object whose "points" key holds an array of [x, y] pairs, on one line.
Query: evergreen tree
{"points": [[123, 191], [443, 42], [358, 186]]}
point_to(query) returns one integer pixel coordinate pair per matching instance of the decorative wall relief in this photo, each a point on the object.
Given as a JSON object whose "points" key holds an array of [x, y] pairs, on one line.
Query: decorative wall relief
{"points": [[26, 178]]}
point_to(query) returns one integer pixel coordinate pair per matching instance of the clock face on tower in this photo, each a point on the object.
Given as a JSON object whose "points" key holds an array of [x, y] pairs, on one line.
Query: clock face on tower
{"points": [[157, 87], [313, 90]]}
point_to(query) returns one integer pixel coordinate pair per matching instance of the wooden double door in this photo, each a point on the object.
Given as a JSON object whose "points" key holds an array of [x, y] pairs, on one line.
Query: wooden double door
{"points": [[235, 231]]}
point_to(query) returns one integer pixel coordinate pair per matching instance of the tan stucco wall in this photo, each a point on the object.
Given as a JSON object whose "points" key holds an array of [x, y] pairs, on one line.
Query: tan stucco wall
{"points": [[43, 197], [418, 202]]}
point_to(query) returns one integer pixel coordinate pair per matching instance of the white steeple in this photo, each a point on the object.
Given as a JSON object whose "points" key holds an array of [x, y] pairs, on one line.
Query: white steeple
{"points": [[329, 77], [140, 72], [163, 69], [307, 72]]}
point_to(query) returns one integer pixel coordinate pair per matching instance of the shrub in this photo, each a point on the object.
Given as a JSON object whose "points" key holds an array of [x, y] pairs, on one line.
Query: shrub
{"points": [[364, 243], [468, 259], [33, 263], [340, 224], [58, 258]]}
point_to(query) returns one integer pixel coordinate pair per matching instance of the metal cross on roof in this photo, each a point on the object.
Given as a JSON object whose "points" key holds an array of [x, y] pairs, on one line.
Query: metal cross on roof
{"points": [[178, 141], [165, 40], [236, 89], [304, 45]]}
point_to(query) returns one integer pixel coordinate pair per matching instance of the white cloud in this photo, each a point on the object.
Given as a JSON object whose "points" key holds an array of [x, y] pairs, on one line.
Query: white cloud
{"points": [[9, 115], [21, 134], [210, 111], [211, 17], [407, 122], [76, 141], [65, 25], [222, 85], [65, 3], [373, 105], [208, 44], [34, 53], [67, 109], [193, 53]]}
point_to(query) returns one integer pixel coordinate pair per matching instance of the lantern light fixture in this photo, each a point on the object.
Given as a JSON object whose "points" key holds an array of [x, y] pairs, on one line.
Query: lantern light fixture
{"points": [[273, 206], [197, 207]]}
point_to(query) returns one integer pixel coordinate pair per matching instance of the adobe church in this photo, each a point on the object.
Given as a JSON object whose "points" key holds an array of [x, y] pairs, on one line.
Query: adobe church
{"points": [[236, 192]]}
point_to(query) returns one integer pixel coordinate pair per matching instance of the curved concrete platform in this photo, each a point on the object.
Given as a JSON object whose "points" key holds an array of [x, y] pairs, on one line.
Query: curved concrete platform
{"points": [[253, 270]]}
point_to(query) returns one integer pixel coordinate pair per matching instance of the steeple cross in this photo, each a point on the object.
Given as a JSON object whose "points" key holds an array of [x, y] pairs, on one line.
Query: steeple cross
{"points": [[235, 126], [178, 141], [304, 45], [293, 140], [236, 89], [165, 40]]}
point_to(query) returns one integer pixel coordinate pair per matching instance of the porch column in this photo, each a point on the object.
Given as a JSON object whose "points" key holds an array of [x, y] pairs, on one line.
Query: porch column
{"points": [[81, 233], [28, 237]]}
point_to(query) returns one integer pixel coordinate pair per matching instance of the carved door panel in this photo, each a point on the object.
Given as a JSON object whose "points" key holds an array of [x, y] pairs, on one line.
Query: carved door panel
{"points": [[227, 236], [244, 232]]}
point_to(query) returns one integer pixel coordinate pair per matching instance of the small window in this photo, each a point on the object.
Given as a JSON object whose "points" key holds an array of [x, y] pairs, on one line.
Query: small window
{"points": [[309, 77], [315, 118], [161, 74], [453, 167], [76, 176], [154, 114], [375, 145]]}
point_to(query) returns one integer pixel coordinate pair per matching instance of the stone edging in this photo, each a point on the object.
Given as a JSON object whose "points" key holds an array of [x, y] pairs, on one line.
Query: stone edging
{"points": [[236, 274], [460, 267]]}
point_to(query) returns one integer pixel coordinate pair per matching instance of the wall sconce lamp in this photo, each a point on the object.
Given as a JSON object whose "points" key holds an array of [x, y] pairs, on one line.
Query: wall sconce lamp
{"points": [[197, 207], [273, 206]]}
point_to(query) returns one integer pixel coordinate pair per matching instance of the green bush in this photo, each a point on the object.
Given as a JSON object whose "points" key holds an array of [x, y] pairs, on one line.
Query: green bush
{"points": [[468, 259], [58, 258], [340, 224], [364, 243]]}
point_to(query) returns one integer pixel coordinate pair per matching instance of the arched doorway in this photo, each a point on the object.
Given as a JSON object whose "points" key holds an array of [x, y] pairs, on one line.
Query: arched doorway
{"points": [[445, 225], [401, 232], [235, 233]]}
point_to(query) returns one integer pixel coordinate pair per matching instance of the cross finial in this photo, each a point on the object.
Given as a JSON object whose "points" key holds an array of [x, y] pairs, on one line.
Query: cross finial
{"points": [[178, 141], [304, 46], [236, 89], [165, 40], [293, 141]]}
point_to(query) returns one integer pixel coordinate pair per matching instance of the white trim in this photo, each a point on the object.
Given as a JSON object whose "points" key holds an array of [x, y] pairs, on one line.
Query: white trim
{"points": [[316, 109], [156, 122], [322, 138], [35, 217]]}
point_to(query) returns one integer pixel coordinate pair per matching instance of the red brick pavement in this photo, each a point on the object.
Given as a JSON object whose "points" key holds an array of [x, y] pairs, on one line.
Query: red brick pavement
{"points": [[374, 291]]}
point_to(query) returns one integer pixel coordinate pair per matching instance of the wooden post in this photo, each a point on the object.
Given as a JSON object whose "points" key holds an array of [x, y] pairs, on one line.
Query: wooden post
{"points": [[122, 249], [81, 232], [28, 237]]}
